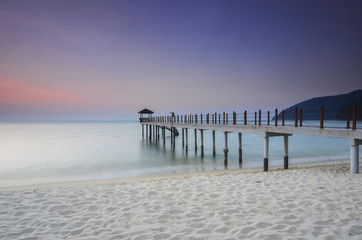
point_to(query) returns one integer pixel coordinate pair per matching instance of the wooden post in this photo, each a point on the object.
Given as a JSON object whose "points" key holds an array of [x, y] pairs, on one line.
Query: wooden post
{"points": [[234, 118], [164, 135], [268, 118], [183, 139], [354, 123], [207, 118], [348, 117], [322, 118], [171, 137], [223, 118], [259, 117], [212, 116], [245, 118], [143, 131], [226, 149], [213, 143], [286, 160], [202, 142], [283, 118], [240, 150], [227, 118], [276, 117], [195, 140], [255, 117], [150, 132], [201, 118], [196, 120], [300, 117], [296, 118], [219, 118], [157, 133], [187, 140], [266, 153]]}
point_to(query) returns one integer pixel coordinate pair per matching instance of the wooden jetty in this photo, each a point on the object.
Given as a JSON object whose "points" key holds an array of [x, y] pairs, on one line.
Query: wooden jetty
{"points": [[259, 124]]}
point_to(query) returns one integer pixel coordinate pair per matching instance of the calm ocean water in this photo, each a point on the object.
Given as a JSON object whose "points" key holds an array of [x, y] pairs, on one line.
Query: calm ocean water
{"points": [[37, 153]]}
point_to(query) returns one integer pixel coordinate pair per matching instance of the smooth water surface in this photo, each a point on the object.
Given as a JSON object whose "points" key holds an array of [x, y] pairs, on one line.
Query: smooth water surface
{"points": [[38, 153]]}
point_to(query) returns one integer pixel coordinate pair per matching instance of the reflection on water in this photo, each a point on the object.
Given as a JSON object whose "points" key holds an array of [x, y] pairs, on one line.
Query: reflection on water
{"points": [[56, 152]]}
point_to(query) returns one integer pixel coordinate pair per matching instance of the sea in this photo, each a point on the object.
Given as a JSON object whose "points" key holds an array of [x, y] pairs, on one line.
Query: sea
{"points": [[59, 152]]}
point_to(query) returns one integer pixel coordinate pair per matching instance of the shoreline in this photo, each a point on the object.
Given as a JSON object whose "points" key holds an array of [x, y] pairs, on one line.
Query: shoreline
{"points": [[112, 181], [312, 201]]}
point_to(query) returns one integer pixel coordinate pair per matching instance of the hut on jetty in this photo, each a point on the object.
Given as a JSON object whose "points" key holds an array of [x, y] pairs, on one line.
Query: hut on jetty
{"points": [[148, 114]]}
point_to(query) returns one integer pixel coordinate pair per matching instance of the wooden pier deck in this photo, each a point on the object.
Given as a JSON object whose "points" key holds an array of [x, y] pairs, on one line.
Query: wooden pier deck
{"points": [[265, 129]]}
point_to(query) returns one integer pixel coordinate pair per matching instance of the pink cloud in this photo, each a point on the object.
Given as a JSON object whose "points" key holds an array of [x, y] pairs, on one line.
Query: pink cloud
{"points": [[19, 93]]}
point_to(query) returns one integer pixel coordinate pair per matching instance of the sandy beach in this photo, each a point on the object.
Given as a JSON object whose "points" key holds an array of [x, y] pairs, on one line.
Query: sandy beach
{"points": [[309, 202]]}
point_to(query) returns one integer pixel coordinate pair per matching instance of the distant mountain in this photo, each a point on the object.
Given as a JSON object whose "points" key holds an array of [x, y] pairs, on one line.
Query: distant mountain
{"points": [[335, 107]]}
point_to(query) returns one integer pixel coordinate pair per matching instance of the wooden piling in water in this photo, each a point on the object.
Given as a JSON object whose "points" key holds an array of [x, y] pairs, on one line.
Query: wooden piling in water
{"points": [[187, 140], [266, 153], [183, 138], [213, 143], [195, 140], [202, 142], [240, 150], [286, 160], [226, 149]]}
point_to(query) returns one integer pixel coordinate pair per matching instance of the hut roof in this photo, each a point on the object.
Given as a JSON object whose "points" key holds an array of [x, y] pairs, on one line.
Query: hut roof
{"points": [[146, 111]]}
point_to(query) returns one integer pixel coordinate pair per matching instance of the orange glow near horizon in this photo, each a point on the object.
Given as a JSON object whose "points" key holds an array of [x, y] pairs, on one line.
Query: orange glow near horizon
{"points": [[19, 93]]}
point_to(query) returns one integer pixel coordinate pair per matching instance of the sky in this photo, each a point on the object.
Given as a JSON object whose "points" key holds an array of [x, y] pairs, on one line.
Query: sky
{"points": [[108, 59]]}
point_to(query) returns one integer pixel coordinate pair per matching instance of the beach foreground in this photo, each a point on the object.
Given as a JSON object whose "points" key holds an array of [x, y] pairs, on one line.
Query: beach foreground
{"points": [[318, 202]]}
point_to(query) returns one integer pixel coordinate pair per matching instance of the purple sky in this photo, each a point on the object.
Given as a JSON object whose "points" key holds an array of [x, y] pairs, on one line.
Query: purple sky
{"points": [[106, 60]]}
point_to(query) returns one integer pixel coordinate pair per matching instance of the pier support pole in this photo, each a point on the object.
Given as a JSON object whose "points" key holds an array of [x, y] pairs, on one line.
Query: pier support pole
{"points": [[183, 138], [266, 153], [171, 137], [213, 143], [202, 142], [146, 131], [143, 131], [286, 160], [354, 155], [150, 131], [187, 140], [226, 149], [195, 140], [164, 135], [240, 150]]}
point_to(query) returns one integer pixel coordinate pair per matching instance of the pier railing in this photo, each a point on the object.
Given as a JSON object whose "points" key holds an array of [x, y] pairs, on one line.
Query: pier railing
{"points": [[323, 118]]}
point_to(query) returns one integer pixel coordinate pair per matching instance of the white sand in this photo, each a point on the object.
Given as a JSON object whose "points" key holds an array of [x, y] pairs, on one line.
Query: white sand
{"points": [[319, 202]]}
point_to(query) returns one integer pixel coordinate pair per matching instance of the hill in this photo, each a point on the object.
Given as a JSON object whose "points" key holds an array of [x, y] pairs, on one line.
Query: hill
{"points": [[335, 107]]}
